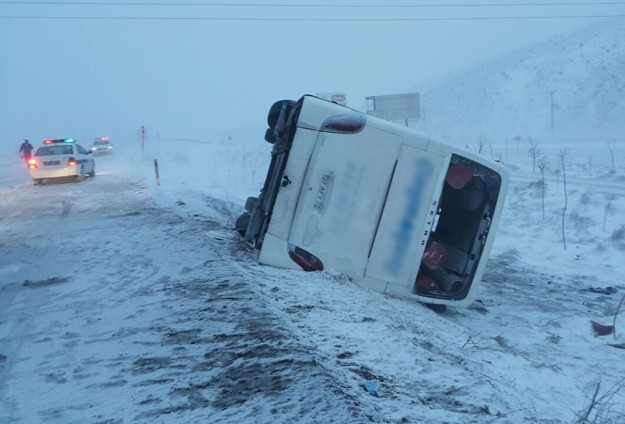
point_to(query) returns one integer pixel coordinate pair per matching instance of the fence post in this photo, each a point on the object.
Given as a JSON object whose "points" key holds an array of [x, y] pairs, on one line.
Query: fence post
{"points": [[142, 139]]}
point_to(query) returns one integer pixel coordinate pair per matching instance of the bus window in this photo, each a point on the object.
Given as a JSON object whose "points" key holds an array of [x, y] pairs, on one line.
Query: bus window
{"points": [[464, 216]]}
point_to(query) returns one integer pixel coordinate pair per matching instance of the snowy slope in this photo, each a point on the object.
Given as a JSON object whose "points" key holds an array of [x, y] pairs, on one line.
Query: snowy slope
{"points": [[580, 76]]}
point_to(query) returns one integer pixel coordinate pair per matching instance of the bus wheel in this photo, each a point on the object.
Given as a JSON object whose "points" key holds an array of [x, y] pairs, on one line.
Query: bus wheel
{"points": [[274, 111], [241, 225], [251, 203]]}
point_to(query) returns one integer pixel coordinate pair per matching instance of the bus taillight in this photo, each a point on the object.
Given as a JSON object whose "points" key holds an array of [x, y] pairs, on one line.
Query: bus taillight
{"points": [[350, 123], [306, 260]]}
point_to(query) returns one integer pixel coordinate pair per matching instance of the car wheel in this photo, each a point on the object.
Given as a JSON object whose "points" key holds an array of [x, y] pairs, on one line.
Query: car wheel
{"points": [[81, 176], [92, 173], [36, 181]]}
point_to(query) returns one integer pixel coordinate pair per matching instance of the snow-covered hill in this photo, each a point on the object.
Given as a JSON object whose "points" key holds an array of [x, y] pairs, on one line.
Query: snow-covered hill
{"points": [[567, 86]]}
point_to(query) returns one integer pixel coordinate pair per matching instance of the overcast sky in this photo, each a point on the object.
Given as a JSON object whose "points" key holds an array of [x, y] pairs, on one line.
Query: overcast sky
{"points": [[86, 70]]}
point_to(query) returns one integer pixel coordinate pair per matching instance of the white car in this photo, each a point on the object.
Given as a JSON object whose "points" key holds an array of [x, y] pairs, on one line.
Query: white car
{"points": [[59, 158], [101, 145]]}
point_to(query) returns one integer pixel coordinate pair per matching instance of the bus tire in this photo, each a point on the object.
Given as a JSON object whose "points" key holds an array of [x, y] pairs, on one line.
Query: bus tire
{"points": [[241, 225], [274, 111], [251, 203]]}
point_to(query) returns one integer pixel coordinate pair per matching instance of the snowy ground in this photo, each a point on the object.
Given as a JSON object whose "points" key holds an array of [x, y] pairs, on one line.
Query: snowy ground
{"points": [[123, 301]]}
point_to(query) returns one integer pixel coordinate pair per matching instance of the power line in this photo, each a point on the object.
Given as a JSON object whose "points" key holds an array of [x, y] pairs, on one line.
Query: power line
{"points": [[213, 18], [357, 6], [318, 6]]}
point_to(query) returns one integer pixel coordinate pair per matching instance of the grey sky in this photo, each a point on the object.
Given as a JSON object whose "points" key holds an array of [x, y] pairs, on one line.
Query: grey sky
{"points": [[198, 77]]}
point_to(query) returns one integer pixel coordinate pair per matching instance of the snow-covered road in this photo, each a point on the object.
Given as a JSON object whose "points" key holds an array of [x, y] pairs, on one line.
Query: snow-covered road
{"points": [[126, 302], [133, 312]]}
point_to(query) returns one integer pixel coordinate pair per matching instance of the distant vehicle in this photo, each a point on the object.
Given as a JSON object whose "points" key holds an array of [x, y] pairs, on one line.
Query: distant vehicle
{"points": [[398, 212], [101, 145], [59, 158]]}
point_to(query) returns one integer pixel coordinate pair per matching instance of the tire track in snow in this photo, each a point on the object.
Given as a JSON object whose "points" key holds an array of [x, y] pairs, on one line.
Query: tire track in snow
{"points": [[170, 333], [252, 352]]}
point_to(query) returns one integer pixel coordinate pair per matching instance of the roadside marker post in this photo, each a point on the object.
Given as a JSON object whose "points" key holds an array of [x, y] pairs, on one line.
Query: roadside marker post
{"points": [[142, 139], [158, 179]]}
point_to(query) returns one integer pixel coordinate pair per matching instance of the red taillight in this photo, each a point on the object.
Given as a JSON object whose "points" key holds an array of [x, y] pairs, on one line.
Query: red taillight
{"points": [[71, 162], [350, 123], [306, 260], [32, 163]]}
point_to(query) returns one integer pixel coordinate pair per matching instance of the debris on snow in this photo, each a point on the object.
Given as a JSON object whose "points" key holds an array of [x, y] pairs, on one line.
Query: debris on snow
{"points": [[372, 387], [602, 330]]}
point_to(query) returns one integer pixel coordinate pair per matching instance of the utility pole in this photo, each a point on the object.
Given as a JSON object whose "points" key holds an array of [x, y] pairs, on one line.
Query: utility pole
{"points": [[551, 109], [142, 139]]}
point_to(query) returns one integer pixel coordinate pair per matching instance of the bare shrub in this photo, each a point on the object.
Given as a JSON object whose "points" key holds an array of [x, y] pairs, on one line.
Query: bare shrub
{"points": [[566, 199], [585, 199], [535, 185], [534, 152], [608, 206], [481, 143], [580, 222], [618, 235], [612, 148], [618, 238], [604, 408], [542, 164]]}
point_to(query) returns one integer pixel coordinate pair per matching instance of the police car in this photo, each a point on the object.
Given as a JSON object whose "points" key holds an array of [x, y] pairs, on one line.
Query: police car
{"points": [[58, 158], [101, 145]]}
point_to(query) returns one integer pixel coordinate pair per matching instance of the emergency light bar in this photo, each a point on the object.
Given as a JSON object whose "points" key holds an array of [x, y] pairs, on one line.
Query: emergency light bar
{"points": [[59, 140]]}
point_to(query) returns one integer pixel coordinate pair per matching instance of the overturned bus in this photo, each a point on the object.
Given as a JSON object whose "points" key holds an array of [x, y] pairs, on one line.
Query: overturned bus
{"points": [[396, 211]]}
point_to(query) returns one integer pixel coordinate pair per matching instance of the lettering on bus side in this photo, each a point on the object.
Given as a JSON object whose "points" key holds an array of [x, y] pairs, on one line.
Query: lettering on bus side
{"points": [[334, 195], [401, 236], [346, 189], [320, 202], [324, 190]]}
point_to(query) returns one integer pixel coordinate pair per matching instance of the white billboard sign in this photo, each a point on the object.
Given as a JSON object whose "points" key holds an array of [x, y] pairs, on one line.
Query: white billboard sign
{"points": [[394, 107]]}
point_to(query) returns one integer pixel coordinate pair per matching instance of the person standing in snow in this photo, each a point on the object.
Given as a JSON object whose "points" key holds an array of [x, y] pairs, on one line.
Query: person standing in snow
{"points": [[26, 149]]}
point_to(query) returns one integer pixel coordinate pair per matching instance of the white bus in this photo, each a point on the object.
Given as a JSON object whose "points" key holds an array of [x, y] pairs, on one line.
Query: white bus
{"points": [[396, 211]]}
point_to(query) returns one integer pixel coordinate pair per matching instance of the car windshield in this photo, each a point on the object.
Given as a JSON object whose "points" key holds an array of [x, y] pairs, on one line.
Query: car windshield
{"points": [[100, 143], [54, 150]]}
